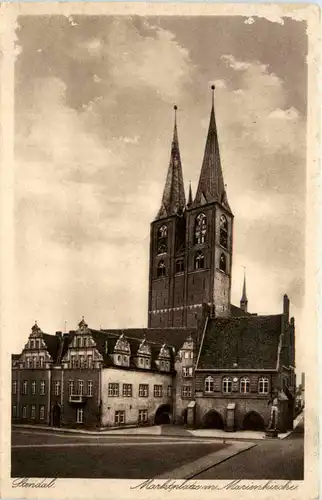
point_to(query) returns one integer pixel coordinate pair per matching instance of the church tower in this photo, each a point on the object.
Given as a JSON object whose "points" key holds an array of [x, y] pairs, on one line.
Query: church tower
{"points": [[191, 244], [209, 235], [167, 241]]}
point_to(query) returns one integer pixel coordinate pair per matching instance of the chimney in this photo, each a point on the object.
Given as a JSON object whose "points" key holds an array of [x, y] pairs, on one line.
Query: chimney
{"points": [[59, 334]]}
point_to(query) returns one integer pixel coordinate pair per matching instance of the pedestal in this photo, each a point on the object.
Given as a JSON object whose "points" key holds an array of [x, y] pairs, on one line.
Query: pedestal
{"points": [[271, 433]]}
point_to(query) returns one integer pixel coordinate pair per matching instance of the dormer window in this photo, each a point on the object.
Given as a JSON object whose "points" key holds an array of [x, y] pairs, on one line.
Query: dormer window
{"points": [[144, 355], [122, 352], [223, 237], [200, 229], [161, 269]]}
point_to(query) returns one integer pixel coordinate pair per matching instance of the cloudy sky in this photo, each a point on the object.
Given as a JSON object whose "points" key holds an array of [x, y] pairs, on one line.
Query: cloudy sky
{"points": [[94, 121]]}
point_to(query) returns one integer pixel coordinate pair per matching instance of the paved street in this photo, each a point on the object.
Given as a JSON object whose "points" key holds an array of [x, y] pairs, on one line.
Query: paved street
{"points": [[270, 459], [37, 453], [41, 454]]}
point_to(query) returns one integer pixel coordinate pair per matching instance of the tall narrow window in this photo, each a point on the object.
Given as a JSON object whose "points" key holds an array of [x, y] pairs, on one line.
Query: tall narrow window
{"points": [[179, 266], [223, 263], [227, 385], [200, 229], [90, 388], [33, 387], [33, 411], [223, 237], [42, 387], [80, 415], [161, 269], [263, 385], [209, 384], [71, 386], [245, 385], [200, 260], [162, 239], [42, 412], [14, 387], [81, 387]]}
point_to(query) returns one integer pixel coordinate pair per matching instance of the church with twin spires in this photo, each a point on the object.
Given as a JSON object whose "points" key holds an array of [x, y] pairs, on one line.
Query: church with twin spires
{"points": [[201, 361], [191, 243]]}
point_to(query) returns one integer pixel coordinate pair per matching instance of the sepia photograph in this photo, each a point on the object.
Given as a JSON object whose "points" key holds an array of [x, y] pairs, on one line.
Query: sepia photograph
{"points": [[160, 194]]}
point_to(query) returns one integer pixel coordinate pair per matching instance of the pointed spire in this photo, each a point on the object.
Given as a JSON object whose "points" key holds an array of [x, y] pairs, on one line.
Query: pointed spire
{"points": [[244, 300], [173, 199], [189, 196], [211, 185]]}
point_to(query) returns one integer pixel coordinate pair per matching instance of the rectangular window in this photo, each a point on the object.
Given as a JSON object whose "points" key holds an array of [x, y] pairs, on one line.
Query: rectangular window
{"points": [[186, 354], [71, 387], [127, 390], [90, 361], [80, 415], [113, 390], [14, 387], [119, 417], [81, 387], [143, 390], [89, 388], [81, 361], [33, 411], [24, 412], [33, 387], [14, 411], [34, 362], [25, 388], [186, 391], [157, 391], [41, 412], [29, 363], [143, 416], [41, 361], [187, 371], [169, 390], [57, 388], [42, 388]]}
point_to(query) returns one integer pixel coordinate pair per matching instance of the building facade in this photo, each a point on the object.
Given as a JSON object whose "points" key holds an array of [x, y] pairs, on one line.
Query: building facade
{"points": [[202, 361]]}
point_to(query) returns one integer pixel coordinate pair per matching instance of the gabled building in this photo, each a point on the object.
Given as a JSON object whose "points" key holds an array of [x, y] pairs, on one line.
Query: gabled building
{"points": [[202, 361]]}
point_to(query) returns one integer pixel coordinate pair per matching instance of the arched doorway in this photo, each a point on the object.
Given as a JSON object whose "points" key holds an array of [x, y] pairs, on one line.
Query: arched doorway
{"points": [[253, 421], [213, 420], [56, 415], [163, 415]]}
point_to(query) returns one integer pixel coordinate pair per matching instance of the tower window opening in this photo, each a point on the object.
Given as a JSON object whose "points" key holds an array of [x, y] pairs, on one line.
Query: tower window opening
{"points": [[223, 236], [179, 266], [200, 229], [223, 263], [161, 269], [200, 260], [162, 239]]}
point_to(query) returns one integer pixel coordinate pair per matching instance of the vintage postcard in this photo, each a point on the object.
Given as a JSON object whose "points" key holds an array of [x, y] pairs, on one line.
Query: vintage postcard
{"points": [[159, 213]]}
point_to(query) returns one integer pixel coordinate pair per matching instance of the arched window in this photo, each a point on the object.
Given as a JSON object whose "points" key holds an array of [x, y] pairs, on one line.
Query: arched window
{"points": [[223, 237], [209, 384], [244, 385], [263, 385], [222, 263], [162, 239], [227, 385], [200, 228], [200, 260], [161, 269], [163, 231]]}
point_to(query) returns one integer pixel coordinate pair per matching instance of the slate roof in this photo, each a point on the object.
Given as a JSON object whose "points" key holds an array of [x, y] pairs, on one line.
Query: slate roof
{"points": [[237, 311], [53, 344], [170, 336], [250, 341]]}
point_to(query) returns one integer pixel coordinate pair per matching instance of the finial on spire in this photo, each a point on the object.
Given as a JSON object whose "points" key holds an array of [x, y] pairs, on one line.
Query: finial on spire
{"points": [[213, 94], [175, 107]]}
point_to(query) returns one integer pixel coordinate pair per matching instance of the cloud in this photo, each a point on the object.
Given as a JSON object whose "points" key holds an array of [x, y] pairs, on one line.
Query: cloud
{"points": [[234, 64], [284, 114], [249, 20]]}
